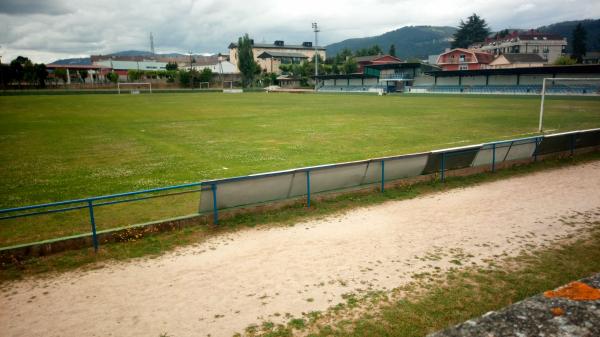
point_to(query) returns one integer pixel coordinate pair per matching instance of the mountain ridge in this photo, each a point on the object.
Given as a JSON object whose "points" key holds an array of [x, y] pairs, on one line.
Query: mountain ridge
{"points": [[422, 41]]}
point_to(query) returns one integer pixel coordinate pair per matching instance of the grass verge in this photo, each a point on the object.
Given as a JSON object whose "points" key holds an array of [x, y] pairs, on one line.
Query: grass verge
{"points": [[426, 306], [154, 245]]}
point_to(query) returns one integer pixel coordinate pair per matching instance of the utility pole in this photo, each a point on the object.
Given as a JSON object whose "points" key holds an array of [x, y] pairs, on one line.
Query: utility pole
{"points": [[316, 30]]}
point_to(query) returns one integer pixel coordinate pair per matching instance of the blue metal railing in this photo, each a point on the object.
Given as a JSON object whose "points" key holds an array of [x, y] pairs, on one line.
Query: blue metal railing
{"points": [[212, 185], [89, 203]]}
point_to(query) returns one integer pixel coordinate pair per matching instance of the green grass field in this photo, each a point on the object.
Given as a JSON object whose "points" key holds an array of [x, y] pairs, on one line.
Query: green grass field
{"points": [[64, 147]]}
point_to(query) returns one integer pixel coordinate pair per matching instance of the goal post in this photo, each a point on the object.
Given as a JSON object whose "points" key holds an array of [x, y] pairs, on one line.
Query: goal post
{"points": [[586, 86], [135, 85]]}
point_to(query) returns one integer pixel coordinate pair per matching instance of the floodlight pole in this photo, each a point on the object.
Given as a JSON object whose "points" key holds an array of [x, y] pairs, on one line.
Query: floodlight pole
{"points": [[316, 30]]}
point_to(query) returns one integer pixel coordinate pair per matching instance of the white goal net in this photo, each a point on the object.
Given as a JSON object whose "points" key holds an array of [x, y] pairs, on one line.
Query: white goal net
{"points": [[566, 87], [134, 88]]}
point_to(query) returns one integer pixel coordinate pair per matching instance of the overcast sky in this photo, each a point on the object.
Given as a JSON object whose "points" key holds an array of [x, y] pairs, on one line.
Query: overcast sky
{"points": [[45, 30]]}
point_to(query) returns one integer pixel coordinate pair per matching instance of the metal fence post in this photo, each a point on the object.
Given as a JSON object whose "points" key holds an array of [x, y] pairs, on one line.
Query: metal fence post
{"points": [[536, 150], [494, 157], [382, 175], [213, 188], [93, 223], [443, 164], [307, 188], [572, 144]]}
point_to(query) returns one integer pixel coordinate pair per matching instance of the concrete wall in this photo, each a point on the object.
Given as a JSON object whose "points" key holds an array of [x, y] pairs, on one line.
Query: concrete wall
{"points": [[473, 80], [370, 82], [447, 80], [423, 80], [503, 80]]}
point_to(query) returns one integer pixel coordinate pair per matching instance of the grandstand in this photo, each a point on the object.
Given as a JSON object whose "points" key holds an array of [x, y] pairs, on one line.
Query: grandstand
{"points": [[421, 78]]}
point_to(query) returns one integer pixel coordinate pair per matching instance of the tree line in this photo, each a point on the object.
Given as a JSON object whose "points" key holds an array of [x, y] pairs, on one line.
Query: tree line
{"points": [[21, 71]]}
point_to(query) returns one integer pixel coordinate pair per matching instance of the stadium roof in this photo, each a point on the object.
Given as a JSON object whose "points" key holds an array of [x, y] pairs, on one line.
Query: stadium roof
{"points": [[401, 65], [573, 69], [273, 46], [133, 65], [268, 54], [344, 76], [76, 66]]}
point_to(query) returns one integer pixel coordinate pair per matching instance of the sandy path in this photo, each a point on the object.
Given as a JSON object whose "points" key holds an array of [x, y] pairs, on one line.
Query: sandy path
{"points": [[221, 286]]}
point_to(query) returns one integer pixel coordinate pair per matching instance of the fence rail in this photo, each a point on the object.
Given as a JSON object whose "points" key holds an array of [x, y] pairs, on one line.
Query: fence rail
{"points": [[220, 194]]}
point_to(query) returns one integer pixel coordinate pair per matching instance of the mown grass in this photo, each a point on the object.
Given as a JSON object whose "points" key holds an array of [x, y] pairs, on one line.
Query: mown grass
{"points": [[154, 245], [66, 147]]}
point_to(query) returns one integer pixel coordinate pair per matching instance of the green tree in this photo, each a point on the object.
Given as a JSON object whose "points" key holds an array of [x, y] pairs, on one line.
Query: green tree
{"points": [[6, 75], [285, 68], [342, 56], [350, 66], [185, 78], [246, 64], [113, 77], [41, 74], [171, 66], [335, 69], [205, 75], [134, 75], [83, 74], [475, 29], [61, 74], [20, 67], [392, 50], [565, 61], [503, 33], [579, 46]]}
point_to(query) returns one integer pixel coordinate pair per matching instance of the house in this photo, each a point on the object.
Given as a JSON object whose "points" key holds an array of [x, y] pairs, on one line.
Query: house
{"points": [[517, 61], [464, 59], [277, 53], [548, 46]]}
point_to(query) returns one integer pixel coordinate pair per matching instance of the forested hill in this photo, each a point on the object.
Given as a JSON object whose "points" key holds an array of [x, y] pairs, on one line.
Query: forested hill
{"points": [[410, 41]]}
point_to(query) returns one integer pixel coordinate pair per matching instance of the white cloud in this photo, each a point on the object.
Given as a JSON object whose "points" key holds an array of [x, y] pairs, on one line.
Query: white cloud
{"points": [[45, 30]]}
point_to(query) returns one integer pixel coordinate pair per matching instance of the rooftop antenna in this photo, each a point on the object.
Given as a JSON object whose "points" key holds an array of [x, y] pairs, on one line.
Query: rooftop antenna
{"points": [[152, 44]]}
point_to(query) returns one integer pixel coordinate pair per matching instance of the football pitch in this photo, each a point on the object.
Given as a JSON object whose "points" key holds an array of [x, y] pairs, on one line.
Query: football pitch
{"points": [[65, 147]]}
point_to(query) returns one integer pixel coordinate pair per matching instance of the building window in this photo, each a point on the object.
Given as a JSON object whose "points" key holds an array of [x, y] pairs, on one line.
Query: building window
{"points": [[462, 58], [463, 67]]}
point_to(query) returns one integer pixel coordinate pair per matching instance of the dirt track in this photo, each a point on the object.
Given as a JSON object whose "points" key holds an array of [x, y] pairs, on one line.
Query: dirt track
{"points": [[221, 286]]}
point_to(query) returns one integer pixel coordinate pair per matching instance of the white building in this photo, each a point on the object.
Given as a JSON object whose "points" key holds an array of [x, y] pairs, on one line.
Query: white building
{"points": [[549, 46]]}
